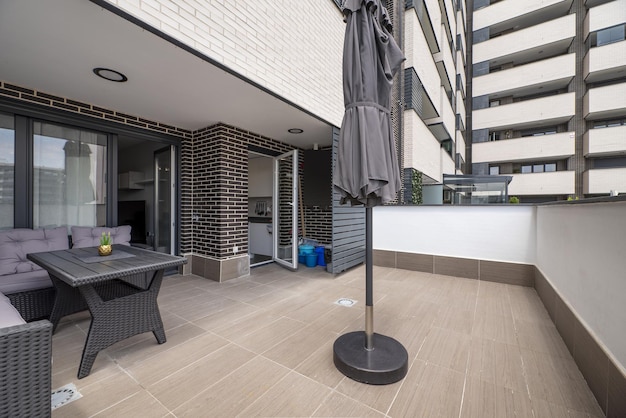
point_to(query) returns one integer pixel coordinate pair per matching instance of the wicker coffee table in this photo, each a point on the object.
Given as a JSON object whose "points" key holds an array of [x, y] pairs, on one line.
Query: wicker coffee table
{"points": [[119, 290]]}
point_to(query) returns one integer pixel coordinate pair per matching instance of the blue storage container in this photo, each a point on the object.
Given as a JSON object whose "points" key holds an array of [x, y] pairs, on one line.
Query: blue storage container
{"points": [[319, 250], [305, 249], [311, 260]]}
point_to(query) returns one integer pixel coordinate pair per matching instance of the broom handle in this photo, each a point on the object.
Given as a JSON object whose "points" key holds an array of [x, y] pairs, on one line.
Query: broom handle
{"points": [[301, 208]]}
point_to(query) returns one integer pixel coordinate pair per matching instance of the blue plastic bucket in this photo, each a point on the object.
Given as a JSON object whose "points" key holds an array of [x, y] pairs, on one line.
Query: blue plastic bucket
{"points": [[319, 250], [305, 249], [311, 260]]}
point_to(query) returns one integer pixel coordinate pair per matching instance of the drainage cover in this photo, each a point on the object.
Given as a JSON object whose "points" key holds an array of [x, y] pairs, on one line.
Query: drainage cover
{"points": [[345, 302], [65, 395]]}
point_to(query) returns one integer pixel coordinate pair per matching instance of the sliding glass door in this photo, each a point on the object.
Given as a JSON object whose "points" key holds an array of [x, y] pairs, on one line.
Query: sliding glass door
{"points": [[164, 187], [7, 171], [69, 176]]}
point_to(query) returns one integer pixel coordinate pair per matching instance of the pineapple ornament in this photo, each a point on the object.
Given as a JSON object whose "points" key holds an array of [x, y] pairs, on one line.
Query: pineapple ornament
{"points": [[105, 247]]}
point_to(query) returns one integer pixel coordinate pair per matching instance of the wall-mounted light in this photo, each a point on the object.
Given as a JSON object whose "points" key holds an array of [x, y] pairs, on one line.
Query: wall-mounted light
{"points": [[110, 75], [295, 131]]}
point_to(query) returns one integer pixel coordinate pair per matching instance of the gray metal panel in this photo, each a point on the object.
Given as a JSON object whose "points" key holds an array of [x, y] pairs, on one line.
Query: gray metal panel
{"points": [[348, 234]]}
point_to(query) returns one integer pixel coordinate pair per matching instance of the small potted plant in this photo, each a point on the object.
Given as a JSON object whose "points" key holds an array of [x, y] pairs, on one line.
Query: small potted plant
{"points": [[105, 244]]}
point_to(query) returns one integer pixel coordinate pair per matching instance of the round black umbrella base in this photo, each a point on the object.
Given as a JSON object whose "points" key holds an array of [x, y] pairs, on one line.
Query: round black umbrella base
{"points": [[386, 363]]}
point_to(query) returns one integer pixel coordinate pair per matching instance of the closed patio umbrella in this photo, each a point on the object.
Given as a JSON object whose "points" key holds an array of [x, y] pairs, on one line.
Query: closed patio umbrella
{"points": [[367, 171]]}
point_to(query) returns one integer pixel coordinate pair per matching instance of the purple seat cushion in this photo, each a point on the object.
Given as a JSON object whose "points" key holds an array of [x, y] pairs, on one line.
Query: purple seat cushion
{"points": [[87, 236], [17, 273], [9, 316]]}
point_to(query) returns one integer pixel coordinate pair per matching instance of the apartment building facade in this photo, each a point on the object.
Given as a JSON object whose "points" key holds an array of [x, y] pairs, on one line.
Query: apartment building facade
{"points": [[549, 96], [434, 116]]}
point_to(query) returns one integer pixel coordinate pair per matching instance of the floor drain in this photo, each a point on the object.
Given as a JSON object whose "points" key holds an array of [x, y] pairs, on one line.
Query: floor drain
{"points": [[345, 302], [65, 395]]}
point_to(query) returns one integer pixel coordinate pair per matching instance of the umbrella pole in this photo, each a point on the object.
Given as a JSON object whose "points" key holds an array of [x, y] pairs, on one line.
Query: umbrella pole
{"points": [[365, 356], [369, 275]]}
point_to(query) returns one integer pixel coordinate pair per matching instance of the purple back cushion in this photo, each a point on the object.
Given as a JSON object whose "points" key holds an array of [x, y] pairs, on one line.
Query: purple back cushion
{"points": [[16, 243], [87, 236], [9, 316]]}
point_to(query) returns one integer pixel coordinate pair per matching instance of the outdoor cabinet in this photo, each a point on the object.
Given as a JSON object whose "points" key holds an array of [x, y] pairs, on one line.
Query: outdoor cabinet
{"points": [[317, 172]]}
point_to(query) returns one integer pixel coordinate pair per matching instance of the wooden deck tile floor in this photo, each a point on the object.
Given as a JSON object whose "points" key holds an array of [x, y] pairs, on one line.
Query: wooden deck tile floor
{"points": [[262, 346]]}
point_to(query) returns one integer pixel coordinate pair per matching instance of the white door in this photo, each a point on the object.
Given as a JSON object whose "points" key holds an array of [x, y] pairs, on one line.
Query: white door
{"points": [[285, 210]]}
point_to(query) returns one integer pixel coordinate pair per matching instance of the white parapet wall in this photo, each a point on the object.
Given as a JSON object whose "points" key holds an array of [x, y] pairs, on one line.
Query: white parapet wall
{"points": [[495, 233], [578, 247], [581, 251]]}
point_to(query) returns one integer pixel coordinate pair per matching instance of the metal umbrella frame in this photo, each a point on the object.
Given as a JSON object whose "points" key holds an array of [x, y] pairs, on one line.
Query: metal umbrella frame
{"points": [[367, 172]]}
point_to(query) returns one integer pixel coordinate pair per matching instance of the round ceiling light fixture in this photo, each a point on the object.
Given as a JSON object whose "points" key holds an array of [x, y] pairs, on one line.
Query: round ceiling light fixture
{"points": [[295, 131], [110, 75]]}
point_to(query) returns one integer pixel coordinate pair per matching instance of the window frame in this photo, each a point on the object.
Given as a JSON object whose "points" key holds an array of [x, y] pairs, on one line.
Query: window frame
{"points": [[25, 114]]}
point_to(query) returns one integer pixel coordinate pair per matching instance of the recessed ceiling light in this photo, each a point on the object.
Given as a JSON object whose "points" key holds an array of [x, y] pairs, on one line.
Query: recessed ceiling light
{"points": [[110, 75], [295, 131]]}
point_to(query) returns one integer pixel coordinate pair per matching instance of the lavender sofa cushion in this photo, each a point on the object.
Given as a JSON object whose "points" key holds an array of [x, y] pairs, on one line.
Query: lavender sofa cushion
{"points": [[22, 282], [86, 236], [17, 273], [9, 316]]}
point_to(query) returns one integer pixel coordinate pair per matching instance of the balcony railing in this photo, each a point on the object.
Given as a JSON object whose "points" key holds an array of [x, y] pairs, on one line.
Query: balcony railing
{"points": [[603, 181], [553, 183], [605, 142], [551, 38], [536, 148], [605, 62], [605, 102], [573, 246], [504, 14], [544, 111], [548, 74]]}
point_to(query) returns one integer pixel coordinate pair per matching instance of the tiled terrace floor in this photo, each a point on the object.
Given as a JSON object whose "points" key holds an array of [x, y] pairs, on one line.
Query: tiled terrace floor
{"points": [[262, 346]]}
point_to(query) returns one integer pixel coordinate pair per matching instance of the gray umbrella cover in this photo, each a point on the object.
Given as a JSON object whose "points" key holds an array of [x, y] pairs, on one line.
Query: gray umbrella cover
{"points": [[367, 169]]}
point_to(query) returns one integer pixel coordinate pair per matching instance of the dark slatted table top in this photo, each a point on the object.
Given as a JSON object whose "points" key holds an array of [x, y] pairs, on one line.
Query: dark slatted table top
{"points": [[78, 266]]}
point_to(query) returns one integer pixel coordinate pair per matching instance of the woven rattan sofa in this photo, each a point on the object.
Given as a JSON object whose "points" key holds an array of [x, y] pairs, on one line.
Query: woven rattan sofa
{"points": [[27, 285], [26, 294], [25, 364]]}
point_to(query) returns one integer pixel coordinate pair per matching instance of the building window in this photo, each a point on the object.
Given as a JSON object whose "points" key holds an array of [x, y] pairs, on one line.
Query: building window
{"points": [[538, 168], [495, 170], [547, 130], [608, 123], [69, 176], [494, 136], [610, 162], [610, 35], [7, 171], [447, 146]]}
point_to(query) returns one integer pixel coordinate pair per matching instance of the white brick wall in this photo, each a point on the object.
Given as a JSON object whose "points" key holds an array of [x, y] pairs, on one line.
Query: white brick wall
{"points": [[292, 48]]}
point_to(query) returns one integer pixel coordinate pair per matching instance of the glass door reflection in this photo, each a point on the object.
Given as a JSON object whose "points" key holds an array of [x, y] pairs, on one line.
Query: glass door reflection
{"points": [[164, 186], [285, 215]]}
